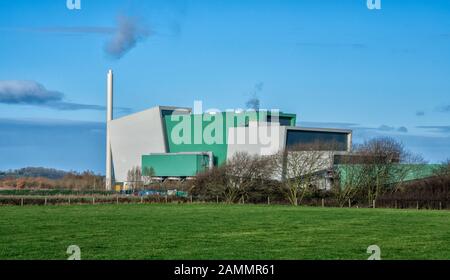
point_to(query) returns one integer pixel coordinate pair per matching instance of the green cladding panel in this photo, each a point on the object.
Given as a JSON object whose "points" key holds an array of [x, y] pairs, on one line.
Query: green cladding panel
{"points": [[199, 125], [175, 165], [408, 172]]}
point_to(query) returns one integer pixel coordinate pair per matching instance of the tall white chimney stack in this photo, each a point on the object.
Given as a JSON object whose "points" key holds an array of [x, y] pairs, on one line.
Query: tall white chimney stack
{"points": [[110, 96], [109, 117]]}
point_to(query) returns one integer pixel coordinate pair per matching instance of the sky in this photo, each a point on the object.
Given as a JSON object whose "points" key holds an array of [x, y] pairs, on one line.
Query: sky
{"points": [[379, 72]]}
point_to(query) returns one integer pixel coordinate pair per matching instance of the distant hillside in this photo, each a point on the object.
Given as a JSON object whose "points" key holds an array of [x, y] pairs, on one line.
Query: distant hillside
{"points": [[42, 172]]}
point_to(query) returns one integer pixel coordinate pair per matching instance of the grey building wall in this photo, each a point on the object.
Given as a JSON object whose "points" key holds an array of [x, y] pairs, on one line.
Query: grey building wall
{"points": [[135, 135], [258, 138]]}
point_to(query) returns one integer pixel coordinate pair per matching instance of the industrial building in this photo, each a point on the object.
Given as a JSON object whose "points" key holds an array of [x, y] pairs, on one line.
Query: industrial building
{"points": [[180, 142]]}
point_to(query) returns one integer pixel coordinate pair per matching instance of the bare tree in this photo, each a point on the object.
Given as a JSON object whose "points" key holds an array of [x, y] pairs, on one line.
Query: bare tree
{"points": [[444, 170], [211, 183], [441, 178], [134, 178], [147, 174], [236, 179], [244, 170], [349, 180], [301, 167], [385, 165]]}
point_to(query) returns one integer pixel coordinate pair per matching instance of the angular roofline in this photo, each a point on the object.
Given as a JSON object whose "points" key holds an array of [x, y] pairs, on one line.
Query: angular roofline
{"points": [[320, 129], [160, 108], [175, 108]]}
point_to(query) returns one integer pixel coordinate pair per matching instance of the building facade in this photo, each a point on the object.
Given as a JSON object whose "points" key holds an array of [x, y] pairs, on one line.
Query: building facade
{"points": [[177, 143]]}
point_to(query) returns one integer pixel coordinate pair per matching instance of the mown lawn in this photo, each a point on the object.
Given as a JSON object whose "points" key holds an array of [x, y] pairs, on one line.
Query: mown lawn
{"points": [[203, 231]]}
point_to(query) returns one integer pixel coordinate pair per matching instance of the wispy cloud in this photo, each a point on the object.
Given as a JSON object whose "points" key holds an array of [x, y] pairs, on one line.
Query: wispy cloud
{"points": [[436, 128], [68, 106], [27, 92], [387, 128], [384, 127], [420, 113], [66, 144], [355, 126], [332, 45], [128, 33], [70, 30], [402, 129], [443, 109], [328, 124], [33, 93], [39, 122]]}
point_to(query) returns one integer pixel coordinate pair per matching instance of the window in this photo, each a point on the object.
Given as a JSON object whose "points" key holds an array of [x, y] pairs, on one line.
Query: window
{"points": [[336, 140], [283, 121]]}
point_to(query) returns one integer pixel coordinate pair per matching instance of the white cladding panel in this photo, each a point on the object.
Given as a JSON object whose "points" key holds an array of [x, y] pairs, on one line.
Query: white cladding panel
{"points": [[133, 136], [256, 139]]}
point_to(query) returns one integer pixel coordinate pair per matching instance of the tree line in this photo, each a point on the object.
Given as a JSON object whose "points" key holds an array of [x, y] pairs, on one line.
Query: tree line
{"points": [[42, 172], [42, 178], [378, 168]]}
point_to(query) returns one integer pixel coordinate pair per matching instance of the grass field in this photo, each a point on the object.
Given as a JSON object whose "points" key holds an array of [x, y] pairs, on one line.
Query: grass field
{"points": [[221, 232]]}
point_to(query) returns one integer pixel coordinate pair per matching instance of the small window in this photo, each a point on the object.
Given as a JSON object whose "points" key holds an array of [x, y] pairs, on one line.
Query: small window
{"points": [[336, 141], [283, 121]]}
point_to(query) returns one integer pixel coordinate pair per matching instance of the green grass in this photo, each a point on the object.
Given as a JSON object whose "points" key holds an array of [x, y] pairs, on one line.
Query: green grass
{"points": [[221, 232]]}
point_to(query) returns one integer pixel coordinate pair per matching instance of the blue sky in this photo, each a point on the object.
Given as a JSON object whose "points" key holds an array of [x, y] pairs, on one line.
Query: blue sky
{"points": [[334, 63]]}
